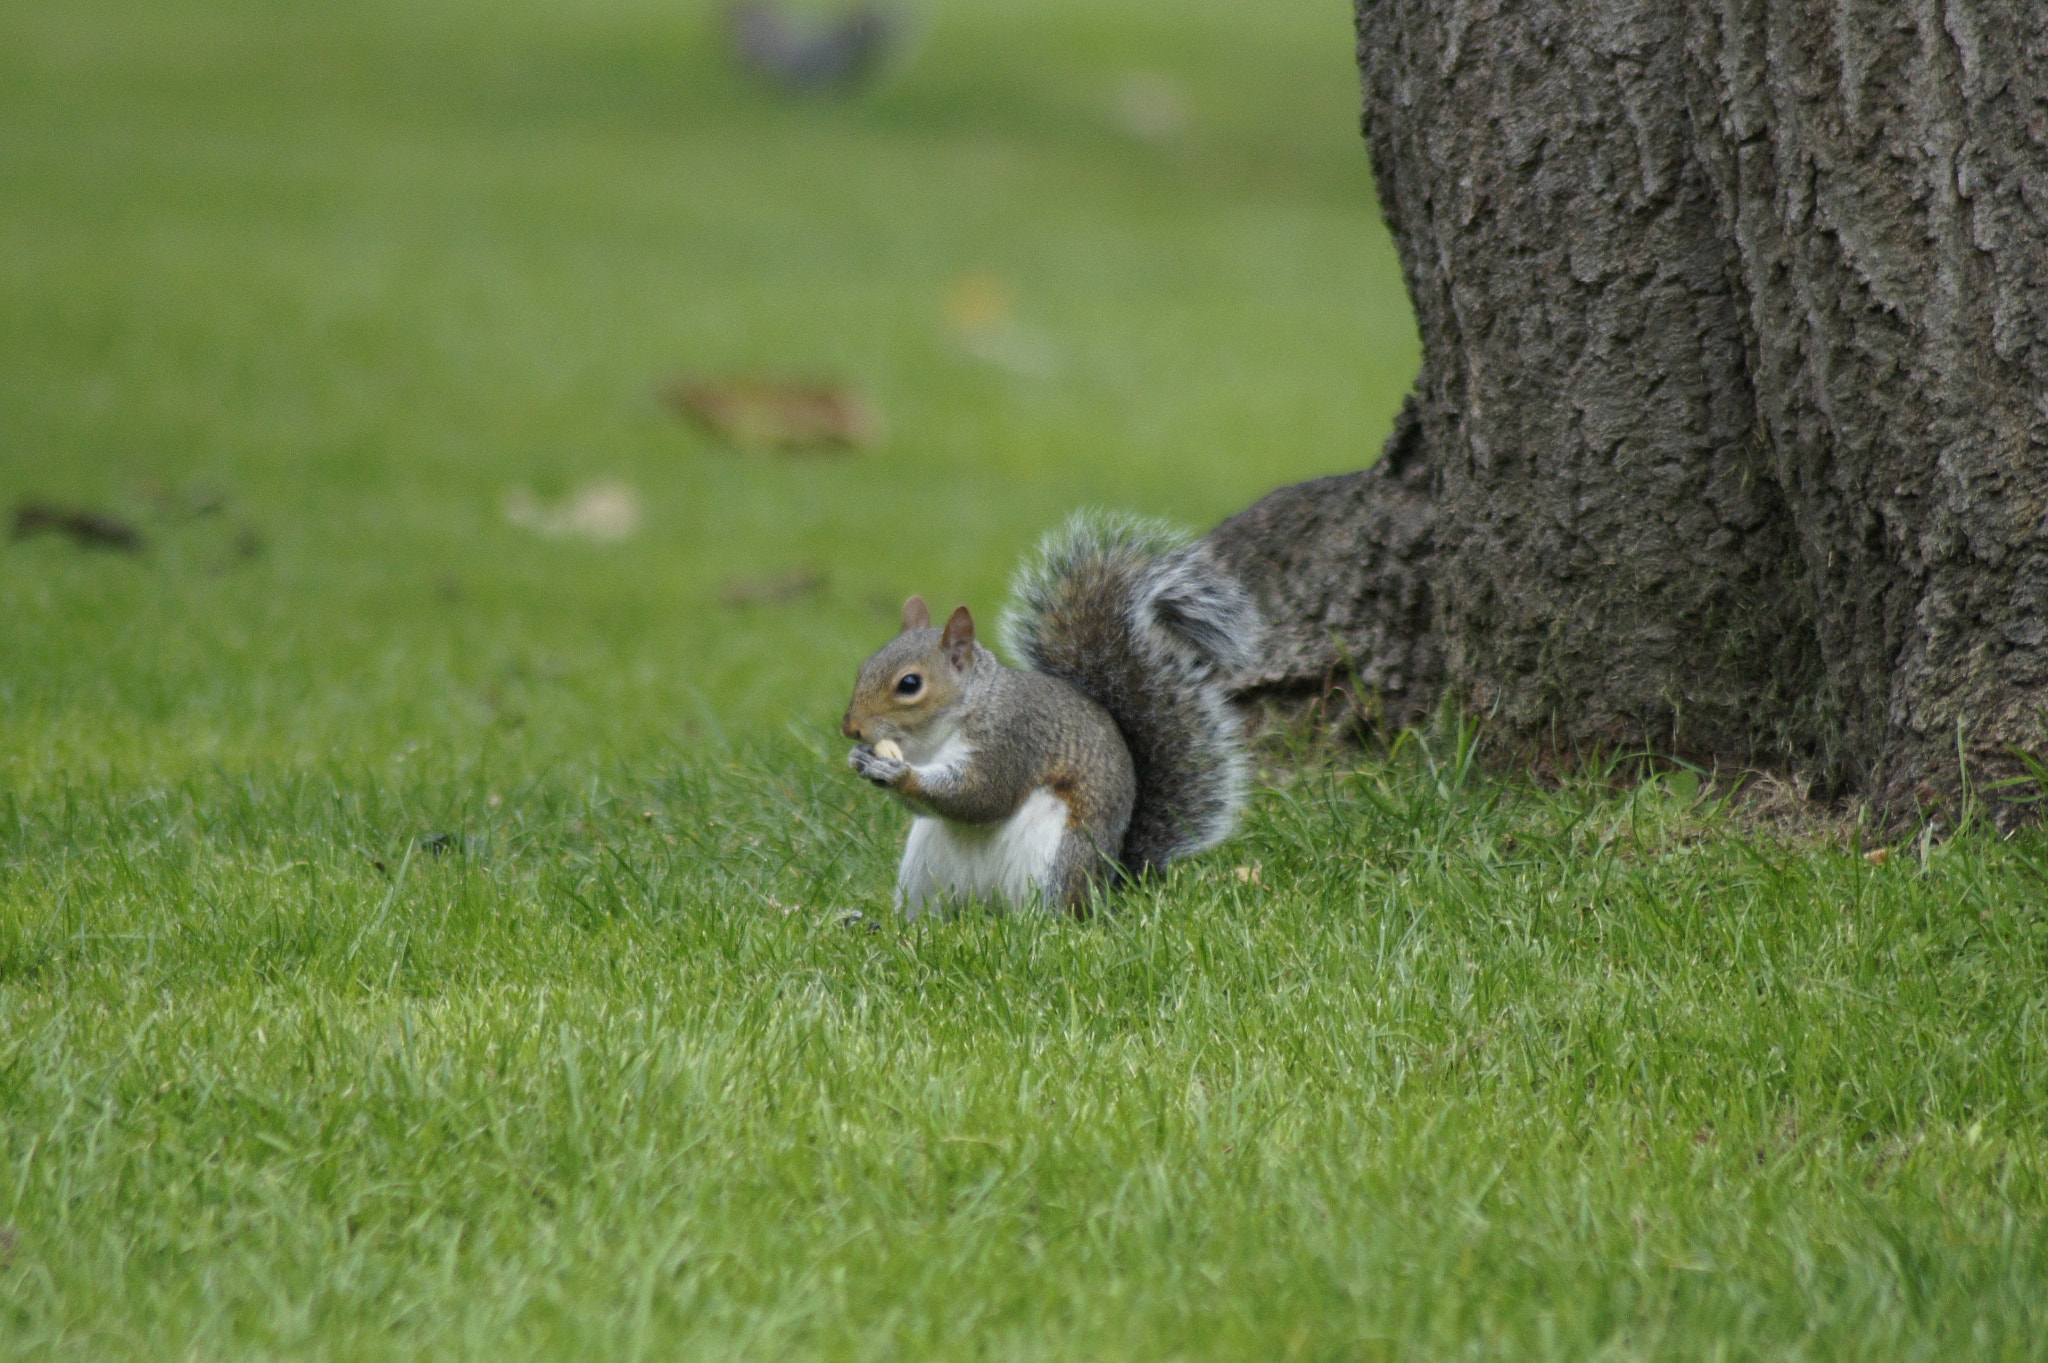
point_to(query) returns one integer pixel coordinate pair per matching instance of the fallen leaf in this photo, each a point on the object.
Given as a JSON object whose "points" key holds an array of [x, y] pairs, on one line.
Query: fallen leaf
{"points": [[790, 416], [602, 512], [1249, 875], [978, 301], [1151, 106], [979, 309], [90, 529], [1878, 856]]}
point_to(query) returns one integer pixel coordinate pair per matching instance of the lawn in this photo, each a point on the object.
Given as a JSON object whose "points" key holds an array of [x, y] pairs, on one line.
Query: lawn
{"points": [[423, 935]]}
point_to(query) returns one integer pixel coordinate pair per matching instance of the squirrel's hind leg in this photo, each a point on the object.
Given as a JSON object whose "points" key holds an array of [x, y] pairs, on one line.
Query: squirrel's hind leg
{"points": [[1080, 871]]}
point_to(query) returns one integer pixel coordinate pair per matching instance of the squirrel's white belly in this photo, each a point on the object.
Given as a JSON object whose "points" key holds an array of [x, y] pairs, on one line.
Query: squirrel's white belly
{"points": [[1011, 860]]}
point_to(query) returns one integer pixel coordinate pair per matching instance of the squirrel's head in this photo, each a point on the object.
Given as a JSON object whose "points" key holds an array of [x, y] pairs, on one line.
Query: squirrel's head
{"points": [[914, 681]]}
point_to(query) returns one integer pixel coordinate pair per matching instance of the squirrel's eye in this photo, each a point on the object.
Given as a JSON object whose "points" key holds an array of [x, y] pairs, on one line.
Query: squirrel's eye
{"points": [[909, 684]]}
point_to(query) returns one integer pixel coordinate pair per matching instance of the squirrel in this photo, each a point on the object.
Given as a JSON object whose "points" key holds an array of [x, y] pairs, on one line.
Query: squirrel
{"points": [[1112, 751]]}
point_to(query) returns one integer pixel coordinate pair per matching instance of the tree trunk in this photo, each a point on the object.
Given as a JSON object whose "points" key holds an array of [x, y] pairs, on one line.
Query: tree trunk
{"points": [[1731, 436]]}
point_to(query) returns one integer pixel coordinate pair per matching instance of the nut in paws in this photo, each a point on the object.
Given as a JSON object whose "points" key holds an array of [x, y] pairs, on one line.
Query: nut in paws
{"points": [[883, 771]]}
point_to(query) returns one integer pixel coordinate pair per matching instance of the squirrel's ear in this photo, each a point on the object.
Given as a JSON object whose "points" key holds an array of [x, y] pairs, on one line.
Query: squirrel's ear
{"points": [[916, 615], [958, 640]]}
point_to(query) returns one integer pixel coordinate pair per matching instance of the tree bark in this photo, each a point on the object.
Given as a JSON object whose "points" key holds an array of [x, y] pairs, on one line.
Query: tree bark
{"points": [[1731, 436]]}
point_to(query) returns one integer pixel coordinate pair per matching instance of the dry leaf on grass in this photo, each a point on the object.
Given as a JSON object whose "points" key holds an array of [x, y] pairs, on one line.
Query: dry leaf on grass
{"points": [[794, 416], [980, 301], [1150, 106], [91, 529], [980, 310], [602, 512]]}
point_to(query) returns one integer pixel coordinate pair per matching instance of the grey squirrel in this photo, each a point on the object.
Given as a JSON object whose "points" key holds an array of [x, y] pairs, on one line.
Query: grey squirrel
{"points": [[1114, 750]]}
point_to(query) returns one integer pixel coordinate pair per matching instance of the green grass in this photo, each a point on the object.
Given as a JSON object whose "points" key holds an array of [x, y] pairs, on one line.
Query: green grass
{"points": [[423, 939], [364, 267], [1466, 1070]]}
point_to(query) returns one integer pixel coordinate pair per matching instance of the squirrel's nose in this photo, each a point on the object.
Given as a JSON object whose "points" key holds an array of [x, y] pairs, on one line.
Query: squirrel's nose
{"points": [[846, 726]]}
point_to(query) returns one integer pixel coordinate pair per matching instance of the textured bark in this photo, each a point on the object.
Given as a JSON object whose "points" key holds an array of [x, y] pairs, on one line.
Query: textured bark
{"points": [[1731, 435], [1340, 567], [1881, 175]]}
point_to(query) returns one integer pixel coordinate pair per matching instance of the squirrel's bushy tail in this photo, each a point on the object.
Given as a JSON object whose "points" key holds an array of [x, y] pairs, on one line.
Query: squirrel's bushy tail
{"points": [[1146, 621]]}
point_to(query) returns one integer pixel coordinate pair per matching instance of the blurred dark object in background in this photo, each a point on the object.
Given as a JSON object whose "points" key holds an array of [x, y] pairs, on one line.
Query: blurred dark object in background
{"points": [[778, 415], [805, 56], [93, 529]]}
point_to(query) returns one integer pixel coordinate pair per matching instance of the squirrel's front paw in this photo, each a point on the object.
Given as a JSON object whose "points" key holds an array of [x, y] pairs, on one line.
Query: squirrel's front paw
{"points": [[883, 771]]}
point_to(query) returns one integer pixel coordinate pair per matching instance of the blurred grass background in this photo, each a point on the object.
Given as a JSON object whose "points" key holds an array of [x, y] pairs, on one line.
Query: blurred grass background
{"points": [[306, 291], [423, 937]]}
